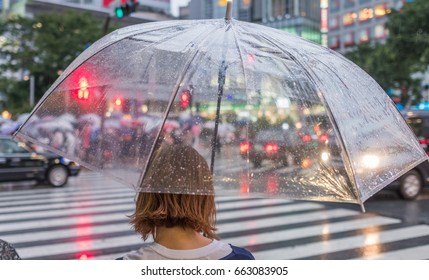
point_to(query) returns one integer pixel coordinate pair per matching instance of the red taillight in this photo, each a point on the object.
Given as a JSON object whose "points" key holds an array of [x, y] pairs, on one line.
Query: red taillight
{"points": [[271, 148], [423, 141], [323, 138], [244, 147], [306, 138]]}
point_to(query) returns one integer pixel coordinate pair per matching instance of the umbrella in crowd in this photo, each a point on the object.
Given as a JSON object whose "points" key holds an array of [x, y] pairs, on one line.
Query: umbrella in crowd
{"points": [[325, 126]]}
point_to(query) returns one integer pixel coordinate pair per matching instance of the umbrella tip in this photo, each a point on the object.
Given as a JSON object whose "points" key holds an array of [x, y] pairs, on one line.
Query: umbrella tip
{"points": [[228, 14]]}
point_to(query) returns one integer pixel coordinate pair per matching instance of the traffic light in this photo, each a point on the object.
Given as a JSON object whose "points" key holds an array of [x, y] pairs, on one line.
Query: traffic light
{"points": [[185, 99], [119, 12], [125, 9], [83, 91]]}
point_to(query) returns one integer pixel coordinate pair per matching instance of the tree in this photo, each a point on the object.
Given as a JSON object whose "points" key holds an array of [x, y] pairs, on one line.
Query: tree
{"points": [[409, 34], [42, 47]]}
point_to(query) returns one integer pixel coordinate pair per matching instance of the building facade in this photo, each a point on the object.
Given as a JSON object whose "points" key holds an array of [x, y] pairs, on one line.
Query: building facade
{"points": [[352, 22], [208, 9], [300, 17]]}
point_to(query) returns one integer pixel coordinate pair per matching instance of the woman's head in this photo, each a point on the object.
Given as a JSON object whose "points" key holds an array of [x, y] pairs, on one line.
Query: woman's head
{"points": [[186, 200]]}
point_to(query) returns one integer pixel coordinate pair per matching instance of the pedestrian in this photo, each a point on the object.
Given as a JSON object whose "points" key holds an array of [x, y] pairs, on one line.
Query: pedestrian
{"points": [[182, 224]]}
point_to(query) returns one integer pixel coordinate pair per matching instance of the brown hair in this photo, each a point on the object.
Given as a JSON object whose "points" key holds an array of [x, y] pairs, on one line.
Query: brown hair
{"points": [[186, 198]]}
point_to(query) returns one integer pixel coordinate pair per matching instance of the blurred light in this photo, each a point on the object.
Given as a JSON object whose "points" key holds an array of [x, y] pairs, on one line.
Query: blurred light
{"points": [[370, 161], [272, 148], [285, 126], [244, 147], [306, 138], [325, 156], [306, 163], [6, 115], [283, 103], [26, 78], [323, 138], [118, 101]]}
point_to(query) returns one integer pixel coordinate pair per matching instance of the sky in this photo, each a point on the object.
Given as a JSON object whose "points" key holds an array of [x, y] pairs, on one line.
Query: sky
{"points": [[175, 4]]}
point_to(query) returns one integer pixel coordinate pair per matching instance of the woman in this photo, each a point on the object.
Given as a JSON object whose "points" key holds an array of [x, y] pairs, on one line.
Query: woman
{"points": [[182, 225]]}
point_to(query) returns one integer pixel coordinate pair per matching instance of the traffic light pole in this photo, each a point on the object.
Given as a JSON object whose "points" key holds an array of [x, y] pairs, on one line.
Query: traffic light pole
{"points": [[106, 25]]}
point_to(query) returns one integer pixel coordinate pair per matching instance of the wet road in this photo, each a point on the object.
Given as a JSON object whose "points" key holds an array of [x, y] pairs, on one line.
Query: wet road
{"points": [[88, 220]]}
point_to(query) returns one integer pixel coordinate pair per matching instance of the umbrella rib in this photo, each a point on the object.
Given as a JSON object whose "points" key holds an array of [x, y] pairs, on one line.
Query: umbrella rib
{"points": [[240, 51]]}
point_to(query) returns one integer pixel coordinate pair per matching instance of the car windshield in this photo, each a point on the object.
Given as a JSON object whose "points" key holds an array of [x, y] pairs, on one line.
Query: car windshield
{"points": [[9, 146], [270, 135]]}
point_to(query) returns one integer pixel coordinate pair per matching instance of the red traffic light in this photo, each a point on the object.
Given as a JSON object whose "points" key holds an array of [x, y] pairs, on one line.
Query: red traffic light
{"points": [[185, 99], [83, 91]]}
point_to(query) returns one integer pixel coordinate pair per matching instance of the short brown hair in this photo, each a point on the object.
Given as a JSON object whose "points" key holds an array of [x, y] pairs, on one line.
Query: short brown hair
{"points": [[180, 193]]}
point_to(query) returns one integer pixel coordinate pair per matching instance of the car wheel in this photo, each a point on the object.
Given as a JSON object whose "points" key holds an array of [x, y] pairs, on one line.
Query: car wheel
{"points": [[411, 184], [57, 175]]}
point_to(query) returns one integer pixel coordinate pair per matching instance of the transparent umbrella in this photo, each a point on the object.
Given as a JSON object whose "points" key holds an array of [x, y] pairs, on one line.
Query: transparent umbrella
{"points": [[308, 123]]}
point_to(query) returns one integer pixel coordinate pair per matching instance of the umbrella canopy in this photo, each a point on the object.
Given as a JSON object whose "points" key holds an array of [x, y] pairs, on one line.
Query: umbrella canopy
{"points": [[344, 139]]}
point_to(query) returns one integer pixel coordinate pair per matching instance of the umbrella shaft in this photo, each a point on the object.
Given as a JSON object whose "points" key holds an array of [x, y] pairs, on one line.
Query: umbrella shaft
{"points": [[215, 142]]}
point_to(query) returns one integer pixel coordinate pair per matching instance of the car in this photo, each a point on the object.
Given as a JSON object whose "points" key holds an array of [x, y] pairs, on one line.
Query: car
{"points": [[19, 162], [59, 169], [277, 145], [418, 120], [410, 185]]}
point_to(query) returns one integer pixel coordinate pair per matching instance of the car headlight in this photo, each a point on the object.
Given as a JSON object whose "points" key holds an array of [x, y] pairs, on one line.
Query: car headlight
{"points": [[370, 161], [325, 156]]}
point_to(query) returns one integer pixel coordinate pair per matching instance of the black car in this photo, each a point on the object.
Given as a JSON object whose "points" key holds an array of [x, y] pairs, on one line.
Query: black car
{"points": [[411, 183], [277, 145], [18, 162], [59, 169]]}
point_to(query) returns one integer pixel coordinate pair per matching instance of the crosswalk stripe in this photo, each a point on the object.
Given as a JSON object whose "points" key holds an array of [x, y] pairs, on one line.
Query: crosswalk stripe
{"points": [[78, 246], [296, 252], [74, 232], [302, 232], [290, 219], [92, 205], [420, 252]]}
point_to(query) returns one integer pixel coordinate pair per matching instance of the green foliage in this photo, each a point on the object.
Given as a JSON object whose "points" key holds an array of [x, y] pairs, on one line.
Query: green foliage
{"points": [[405, 52], [43, 47], [409, 34]]}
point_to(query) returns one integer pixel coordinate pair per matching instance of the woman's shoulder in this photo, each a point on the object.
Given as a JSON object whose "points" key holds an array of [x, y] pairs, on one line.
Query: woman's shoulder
{"points": [[239, 253]]}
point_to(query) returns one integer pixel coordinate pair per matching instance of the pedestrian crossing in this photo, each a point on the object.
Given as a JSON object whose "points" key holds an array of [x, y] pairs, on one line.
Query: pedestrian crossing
{"points": [[88, 219]]}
